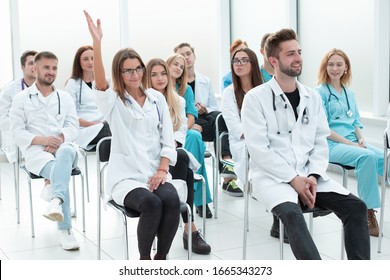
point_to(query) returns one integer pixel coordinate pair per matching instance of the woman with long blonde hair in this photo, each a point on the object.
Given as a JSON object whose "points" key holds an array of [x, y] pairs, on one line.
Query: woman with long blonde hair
{"points": [[194, 142], [158, 78]]}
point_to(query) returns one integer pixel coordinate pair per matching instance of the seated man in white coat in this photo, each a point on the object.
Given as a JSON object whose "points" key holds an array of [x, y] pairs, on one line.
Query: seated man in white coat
{"points": [[44, 123], [285, 131]]}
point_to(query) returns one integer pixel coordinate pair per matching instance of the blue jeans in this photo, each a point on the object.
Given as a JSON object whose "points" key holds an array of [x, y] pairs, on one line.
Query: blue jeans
{"points": [[351, 210], [58, 171]]}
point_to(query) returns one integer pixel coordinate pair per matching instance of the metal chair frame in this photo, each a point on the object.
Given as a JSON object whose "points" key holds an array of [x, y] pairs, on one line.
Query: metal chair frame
{"points": [[30, 176], [385, 181]]}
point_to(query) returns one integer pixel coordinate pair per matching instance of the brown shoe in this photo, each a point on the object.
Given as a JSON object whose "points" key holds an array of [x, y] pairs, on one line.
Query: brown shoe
{"points": [[372, 223]]}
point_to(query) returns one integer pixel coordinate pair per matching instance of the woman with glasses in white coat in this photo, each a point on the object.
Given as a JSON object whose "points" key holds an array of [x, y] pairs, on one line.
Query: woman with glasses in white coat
{"points": [[142, 146]]}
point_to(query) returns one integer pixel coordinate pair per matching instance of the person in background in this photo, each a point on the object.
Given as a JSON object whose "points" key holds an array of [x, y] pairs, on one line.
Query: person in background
{"points": [[93, 127], [236, 45], [159, 78], [142, 146], [285, 130], [267, 70], [206, 105], [193, 142], [44, 124], [346, 142]]}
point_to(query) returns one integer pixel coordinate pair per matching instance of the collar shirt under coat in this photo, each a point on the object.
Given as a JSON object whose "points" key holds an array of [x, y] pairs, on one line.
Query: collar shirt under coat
{"points": [[204, 93], [31, 116], [275, 159], [140, 137]]}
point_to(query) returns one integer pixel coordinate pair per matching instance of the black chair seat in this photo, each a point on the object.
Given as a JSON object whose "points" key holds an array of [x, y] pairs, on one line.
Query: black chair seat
{"points": [[346, 167], [134, 214], [75, 171]]}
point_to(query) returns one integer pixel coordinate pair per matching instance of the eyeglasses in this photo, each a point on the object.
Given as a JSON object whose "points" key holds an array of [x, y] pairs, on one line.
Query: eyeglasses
{"points": [[242, 61], [130, 71]]}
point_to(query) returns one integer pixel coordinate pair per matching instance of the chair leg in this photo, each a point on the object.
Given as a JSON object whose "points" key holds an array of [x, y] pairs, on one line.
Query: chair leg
{"points": [[126, 237], [215, 186], [204, 206], [17, 195], [74, 198], [86, 175], [83, 199], [383, 196], [246, 220], [281, 238], [31, 208], [189, 218]]}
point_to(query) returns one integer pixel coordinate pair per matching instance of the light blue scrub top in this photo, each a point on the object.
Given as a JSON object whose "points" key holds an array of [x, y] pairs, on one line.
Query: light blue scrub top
{"points": [[336, 107]]}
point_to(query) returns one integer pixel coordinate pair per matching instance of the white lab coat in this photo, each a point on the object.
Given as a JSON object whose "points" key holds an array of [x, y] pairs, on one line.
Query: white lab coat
{"points": [[204, 92], [30, 116], [7, 95], [180, 134], [83, 97], [232, 118], [140, 137], [276, 159]]}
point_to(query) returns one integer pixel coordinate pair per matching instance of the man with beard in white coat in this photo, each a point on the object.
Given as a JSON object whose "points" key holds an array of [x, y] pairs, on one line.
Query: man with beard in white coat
{"points": [[285, 132], [44, 123]]}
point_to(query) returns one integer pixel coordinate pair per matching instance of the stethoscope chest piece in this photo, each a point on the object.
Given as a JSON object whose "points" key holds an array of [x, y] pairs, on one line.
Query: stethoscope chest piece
{"points": [[349, 114]]}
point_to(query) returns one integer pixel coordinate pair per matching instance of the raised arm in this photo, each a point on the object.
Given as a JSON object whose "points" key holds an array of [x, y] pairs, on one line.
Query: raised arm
{"points": [[97, 34]]}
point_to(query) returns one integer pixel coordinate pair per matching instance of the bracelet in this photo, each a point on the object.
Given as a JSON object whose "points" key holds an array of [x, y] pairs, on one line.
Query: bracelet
{"points": [[160, 169]]}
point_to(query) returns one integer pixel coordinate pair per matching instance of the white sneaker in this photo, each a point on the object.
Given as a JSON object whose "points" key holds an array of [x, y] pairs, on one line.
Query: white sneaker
{"points": [[46, 193], [54, 210], [67, 240]]}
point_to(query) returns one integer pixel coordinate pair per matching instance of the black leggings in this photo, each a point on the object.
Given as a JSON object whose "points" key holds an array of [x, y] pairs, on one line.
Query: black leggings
{"points": [[159, 217], [183, 172]]}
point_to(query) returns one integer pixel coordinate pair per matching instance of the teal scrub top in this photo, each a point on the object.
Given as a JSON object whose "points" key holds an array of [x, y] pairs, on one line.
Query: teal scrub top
{"points": [[336, 108], [190, 101]]}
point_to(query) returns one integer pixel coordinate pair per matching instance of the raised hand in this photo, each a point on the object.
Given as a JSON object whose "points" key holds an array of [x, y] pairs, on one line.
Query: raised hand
{"points": [[94, 29]]}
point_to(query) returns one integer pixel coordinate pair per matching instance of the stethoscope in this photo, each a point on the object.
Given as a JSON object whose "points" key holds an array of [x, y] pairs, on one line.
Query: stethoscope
{"points": [[349, 111], [139, 118], [58, 116], [305, 116]]}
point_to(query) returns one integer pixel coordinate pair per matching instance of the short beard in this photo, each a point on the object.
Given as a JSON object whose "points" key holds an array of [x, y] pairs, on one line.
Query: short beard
{"points": [[288, 71]]}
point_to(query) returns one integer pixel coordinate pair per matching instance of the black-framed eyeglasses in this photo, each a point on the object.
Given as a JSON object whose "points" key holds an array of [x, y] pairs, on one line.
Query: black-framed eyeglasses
{"points": [[130, 71], [242, 61]]}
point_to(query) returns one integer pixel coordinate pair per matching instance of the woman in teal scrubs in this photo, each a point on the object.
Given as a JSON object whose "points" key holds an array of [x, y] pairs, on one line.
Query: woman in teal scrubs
{"points": [[347, 145]]}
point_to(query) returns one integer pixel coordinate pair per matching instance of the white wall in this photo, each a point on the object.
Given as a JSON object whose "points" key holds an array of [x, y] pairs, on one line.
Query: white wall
{"points": [[251, 19], [6, 47], [346, 25]]}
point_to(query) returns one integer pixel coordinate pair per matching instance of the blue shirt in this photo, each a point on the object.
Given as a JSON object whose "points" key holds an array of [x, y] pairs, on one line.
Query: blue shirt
{"points": [[336, 108]]}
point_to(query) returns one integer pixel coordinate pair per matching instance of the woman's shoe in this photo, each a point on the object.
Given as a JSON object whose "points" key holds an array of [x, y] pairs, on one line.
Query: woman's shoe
{"points": [[199, 211], [199, 246]]}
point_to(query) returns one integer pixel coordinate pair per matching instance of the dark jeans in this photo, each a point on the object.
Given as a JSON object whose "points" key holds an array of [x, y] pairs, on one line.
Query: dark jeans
{"points": [[351, 211], [207, 122], [160, 212], [183, 172]]}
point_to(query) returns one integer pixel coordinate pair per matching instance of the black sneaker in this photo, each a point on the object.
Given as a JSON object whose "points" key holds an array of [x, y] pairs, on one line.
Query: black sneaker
{"points": [[228, 172], [275, 233], [199, 211], [231, 188], [199, 246]]}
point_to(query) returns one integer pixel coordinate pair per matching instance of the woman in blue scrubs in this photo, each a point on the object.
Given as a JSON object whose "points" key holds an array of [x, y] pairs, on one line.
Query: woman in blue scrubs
{"points": [[347, 145]]}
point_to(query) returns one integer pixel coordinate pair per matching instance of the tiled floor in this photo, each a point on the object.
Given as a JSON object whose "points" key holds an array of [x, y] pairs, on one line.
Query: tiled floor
{"points": [[225, 234]]}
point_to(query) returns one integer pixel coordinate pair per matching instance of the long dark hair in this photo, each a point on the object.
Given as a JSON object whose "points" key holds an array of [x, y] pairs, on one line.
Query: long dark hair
{"points": [[77, 71], [256, 78]]}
